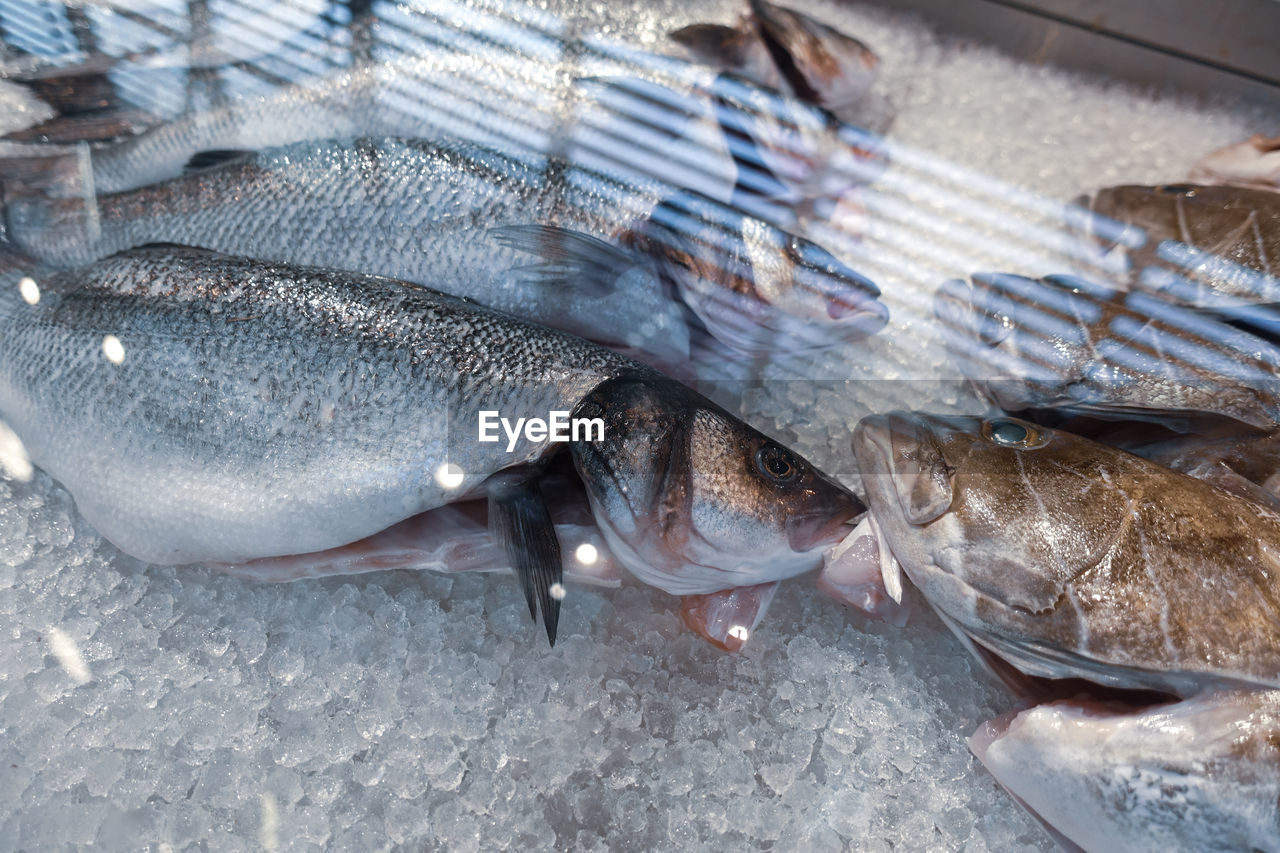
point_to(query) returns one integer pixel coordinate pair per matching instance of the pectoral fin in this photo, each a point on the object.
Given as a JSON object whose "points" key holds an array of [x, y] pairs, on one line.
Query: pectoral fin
{"points": [[521, 523], [726, 618], [570, 259]]}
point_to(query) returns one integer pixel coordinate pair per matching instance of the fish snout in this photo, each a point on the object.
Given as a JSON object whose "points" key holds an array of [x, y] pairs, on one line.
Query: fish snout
{"points": [[848, 297], [827, 526], [901, 457]]}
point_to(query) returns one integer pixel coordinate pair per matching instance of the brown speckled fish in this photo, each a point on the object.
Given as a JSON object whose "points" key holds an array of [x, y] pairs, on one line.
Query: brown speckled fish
{"points": [[1206, 246], [1068, 558], [1066, 565]]}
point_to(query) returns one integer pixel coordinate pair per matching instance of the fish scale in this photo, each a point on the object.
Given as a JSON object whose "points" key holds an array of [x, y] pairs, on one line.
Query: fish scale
{"points": [[408, 209], [370, 371]]}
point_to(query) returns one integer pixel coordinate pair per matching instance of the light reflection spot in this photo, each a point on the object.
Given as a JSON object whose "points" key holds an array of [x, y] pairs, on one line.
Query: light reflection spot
{"points": [[449, 475], [269, 829], [68, 654], [557, 591], [587, 554], [29, 289], [113, 349], [14, 461], [740, 632]]}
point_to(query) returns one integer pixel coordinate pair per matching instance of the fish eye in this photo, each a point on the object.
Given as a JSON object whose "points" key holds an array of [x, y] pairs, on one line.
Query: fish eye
{"points": [[1009, 433], [777, 464], [1177, 189], [994, 328]]}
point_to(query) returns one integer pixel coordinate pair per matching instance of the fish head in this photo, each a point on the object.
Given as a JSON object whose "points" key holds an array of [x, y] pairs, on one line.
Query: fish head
{"points": [[1071, 344], [757, 287], [985, 507], [692, 500], [1065, 558], [991, 519], [1023, 342], [820, 64]]}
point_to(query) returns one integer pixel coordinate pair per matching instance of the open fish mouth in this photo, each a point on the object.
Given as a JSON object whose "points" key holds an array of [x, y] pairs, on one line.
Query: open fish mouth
{"points": [[821, 529]]}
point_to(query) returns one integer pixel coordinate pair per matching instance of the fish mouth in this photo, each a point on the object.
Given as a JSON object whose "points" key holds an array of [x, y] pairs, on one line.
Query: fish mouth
{"points": [[888, 447], [824, 528]]}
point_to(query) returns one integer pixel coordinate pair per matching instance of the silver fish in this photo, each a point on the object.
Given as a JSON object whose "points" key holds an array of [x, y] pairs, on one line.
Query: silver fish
{"points": [[202, 408], [407, 209], [423, 210], [491, 74], [1199, 775], [1067, 343]]}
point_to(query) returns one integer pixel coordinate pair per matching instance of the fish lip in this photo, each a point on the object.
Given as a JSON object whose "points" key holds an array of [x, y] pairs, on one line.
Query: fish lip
{"points": [[860, 321], [953, 306], [823, 528]]}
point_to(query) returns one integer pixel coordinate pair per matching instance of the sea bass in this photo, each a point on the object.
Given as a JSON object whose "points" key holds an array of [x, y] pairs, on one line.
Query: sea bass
{"points": [[1203, 246], [493, 74], [1067, 343], [203, 408], [406, 209], [419, 211], [1199, 775]]}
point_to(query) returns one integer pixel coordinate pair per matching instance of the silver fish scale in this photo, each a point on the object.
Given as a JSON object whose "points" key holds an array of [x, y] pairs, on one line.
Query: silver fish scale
{"points": [[408, 209], [260, 410]]}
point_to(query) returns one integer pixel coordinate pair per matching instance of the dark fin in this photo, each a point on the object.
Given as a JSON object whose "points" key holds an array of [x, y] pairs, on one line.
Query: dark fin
{"points": [[214, 157], [714, 44], [570, 258], [521, 522], [781, 56]]}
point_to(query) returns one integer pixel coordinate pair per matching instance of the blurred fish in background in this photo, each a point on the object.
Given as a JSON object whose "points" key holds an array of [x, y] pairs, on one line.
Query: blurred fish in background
{"points": [[506, 79]]}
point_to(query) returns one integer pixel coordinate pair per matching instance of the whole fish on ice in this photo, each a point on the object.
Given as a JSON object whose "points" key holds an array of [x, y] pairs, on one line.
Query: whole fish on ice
{"points": [[1067, 566], [203, 408], [499, 76], [419, 211], [1071, 344]]}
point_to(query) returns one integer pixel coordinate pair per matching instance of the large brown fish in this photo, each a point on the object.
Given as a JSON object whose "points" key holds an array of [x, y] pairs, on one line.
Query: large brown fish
{"points": [[1054, 557], [1066, 343], [1206, 246], [1071, 559]]}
